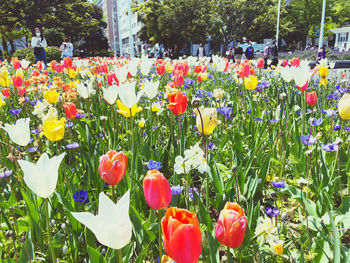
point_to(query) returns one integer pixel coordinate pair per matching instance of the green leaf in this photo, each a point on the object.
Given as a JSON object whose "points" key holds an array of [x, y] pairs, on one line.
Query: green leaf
{"points": [[95, 256], [27, 251], [336, 240]]}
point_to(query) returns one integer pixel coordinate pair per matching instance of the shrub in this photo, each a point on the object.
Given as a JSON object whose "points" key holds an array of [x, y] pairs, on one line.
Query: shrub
{"points": [[52, 53]]}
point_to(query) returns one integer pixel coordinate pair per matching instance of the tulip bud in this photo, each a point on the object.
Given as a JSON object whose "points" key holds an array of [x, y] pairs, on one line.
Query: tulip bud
{"points": [[157, 190], [311, 98], [112, 167]]}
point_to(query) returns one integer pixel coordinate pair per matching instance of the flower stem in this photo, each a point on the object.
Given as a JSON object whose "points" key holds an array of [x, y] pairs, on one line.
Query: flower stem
{"points": [[120, 255], [160, 235], [48, 231]]}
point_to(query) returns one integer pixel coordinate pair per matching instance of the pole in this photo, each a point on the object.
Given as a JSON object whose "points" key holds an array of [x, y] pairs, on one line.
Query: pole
{"points": [[113, 25], [119, 31], [320, 41], [131, 38], [278, 20]]}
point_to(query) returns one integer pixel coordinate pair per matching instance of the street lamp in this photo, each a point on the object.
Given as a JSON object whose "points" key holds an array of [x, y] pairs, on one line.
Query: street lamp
{"points": [[278, 20], [320, 41], [113, 17]]}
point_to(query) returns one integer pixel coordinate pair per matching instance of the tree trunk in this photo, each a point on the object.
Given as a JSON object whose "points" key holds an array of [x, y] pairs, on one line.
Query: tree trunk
{"points": [[12, 46]]}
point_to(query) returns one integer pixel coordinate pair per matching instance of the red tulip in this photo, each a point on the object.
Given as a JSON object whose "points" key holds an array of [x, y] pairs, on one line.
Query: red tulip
{"points": [[111, 78], [17, 81], [178, 78], [39, 65], [244, 70], [112, 167], [295, 62], [303, 88], [6, 92], [67, 62], [16, 64], [59, 68], [177, 102], [198, 68], [22, 91], [231, 225], [285, 63], [70, 109], [161, 69], [27, 83], [311, 98], [260, 63], [182, 235], [156, 189], [103, 68], [199, 78]]}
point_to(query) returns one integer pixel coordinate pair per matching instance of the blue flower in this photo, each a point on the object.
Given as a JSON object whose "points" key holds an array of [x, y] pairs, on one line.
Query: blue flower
{"points": [[274, 121], [35, 131], [32, 149], [315, 122], [15, 111], [79, 116], [211, 146], [346, 128], [6, 173], [68, 124], [81, 196], [190, 192], [280, 184], [154, 165], [73, 145], [337, 128], [257, 119], [330, 147], [176, 189], [308, 139], [249, 111], [225, 110], [272, 212], [330, 113]]}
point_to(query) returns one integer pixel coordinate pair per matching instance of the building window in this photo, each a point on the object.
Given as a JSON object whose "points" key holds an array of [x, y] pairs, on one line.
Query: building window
{"points": [[347, 37]]}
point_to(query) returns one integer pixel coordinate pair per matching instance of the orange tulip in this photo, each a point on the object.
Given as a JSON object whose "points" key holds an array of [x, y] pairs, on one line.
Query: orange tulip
{"points": [[198, 69], [295, 62], [311, 98], [177, 102], [260, 63], [67, 62], [178, 78], [22, 91], [182, 235], [231, 225], [70, 109], [156, 189], [112, 167], [6, 92], [17, 81], [161, 69], [285, 63]]}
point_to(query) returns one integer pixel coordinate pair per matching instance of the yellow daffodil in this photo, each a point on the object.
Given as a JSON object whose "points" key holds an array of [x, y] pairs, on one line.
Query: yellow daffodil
{"points": [[53, 128], [323, 72], [72, 73], [344, 107], [278, 249], [323, 82], [141, 123], [251, 82], [169, 68], [2, 103], [51, 96], [210, 120], [156, 107], [125, 111]]}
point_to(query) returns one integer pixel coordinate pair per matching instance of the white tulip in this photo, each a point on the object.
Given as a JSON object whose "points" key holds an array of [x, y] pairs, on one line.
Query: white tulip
{"points": [[151, 88], [19, 132], [132, 67], [111, 226], [146, 65], [25, 63], [85, 89], [286, 74], [121, 73], [301, 76], [110, 94], [42, 177], [127, 94]]}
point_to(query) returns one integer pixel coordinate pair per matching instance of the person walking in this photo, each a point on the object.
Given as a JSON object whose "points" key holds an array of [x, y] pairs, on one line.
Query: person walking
{"points": [[321, 54], [249, 52], [230, 55], [67, 48], [266, 54], [1, 56], [274, 53], [39, 43], [201, 51], [238, 53]]}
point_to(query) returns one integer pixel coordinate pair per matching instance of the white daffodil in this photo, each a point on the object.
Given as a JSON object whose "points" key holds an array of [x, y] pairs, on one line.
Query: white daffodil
{"points": [[85, 89], [40, 107], [110, 94], [42, 177], [151, 88], [127, 94], [19, 132], [111, 226]]}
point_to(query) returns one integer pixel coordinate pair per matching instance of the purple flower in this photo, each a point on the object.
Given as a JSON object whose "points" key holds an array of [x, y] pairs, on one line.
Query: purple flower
{"points": [[225, 110], [274, 121], [308, 139], [272, 212], [241, 93], [5, 173], [211, 146], [81, 196], [79, 116], [280, 184], [15, 111], [257, 119], [176, 189], [154, 165], [315, 122], [190, 192], [249, 111], [73, 145], [330, 147], [35, 131], [33, 102], [68, 124], [337, 128], [330, 113], [32, 149], [156, 128], [346, 128]]}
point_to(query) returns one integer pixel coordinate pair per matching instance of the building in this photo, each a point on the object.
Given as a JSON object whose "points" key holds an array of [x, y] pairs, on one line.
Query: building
{"points": [[342, 37], [99, 3], [110, 12], [128, 28]]}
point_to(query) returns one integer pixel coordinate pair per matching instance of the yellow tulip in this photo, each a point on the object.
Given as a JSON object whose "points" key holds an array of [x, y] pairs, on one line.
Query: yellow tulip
{"points": [[53, 128], [204, 76], [4, 73], [210, 120], [72, 73], [251, 82], [156, 107], [344, 107], [323, 72], [125, 111], [323, 82], [169, 68], [20, 72], [141, 123], [51, 96], [2, 103], [219, 94]]}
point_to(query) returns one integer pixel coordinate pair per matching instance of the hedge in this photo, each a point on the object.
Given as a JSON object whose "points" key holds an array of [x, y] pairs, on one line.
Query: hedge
{"points": [[52, 53]]}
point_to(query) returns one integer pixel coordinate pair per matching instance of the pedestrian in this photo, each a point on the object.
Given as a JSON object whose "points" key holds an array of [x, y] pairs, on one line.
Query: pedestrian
{"points": [[238, 53], [201, 51], [67, 48], [321, 54], [274, 53], [266, 54], [249, 52], [1, 56], [38, 44], [230, 55]]}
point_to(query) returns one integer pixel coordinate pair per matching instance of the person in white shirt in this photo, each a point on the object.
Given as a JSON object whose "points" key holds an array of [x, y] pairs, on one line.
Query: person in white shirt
{"points": [[201, 51], [39, 43], [67, 48]]}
